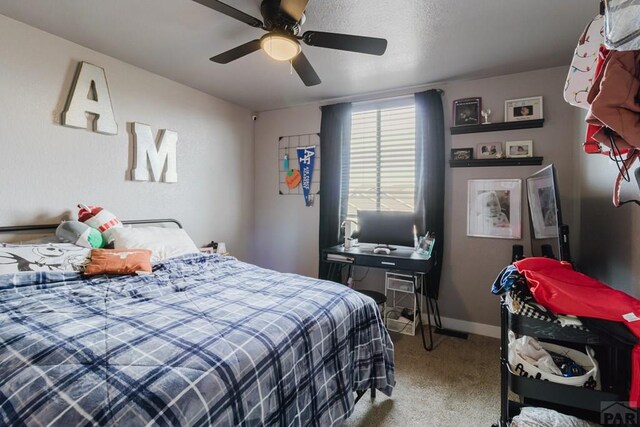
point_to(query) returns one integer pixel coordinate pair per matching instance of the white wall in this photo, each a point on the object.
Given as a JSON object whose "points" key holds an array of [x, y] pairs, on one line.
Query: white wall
{"points": [[46, 168], [286, 231], [289, 229]]}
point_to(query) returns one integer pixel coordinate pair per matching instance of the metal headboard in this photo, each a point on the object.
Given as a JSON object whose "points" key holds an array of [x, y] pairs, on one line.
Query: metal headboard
{"points": [[36, 227]]}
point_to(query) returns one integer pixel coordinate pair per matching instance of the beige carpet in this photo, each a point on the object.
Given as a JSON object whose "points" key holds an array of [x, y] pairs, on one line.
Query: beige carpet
{"points": [[457, 384]]}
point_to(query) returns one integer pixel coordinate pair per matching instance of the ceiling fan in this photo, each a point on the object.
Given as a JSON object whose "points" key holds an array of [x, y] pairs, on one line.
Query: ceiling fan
{"points": [[282, 21]]}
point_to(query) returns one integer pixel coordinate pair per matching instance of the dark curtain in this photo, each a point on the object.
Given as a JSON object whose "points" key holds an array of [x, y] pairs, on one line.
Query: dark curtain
{"points": [[430, 163], [335, 143]]}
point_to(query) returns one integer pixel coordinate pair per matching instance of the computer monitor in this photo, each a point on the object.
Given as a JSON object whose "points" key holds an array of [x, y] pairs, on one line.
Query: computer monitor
{"points": [[547, 229], [386, 228]]}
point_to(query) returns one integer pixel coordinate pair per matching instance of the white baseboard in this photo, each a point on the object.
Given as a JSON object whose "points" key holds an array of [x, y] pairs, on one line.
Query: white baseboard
{"points": [[470, 327]]}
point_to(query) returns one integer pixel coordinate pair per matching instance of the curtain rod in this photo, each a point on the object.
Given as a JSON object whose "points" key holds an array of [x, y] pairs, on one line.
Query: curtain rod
{"points": [[373, 96], [392, 98]]}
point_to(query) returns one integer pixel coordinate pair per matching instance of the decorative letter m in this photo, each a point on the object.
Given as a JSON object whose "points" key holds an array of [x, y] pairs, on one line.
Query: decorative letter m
{"points": [[145, 149]]}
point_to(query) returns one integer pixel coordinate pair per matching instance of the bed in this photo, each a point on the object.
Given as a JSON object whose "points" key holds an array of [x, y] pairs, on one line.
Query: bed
{"points": [[203, 340]]}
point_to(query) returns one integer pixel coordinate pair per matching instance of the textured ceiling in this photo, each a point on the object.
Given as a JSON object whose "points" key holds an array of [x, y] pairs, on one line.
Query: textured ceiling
{"points": [[429, 41]]}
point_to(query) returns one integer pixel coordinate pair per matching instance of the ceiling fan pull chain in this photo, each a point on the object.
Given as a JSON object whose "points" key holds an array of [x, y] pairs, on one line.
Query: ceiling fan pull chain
{"points": [[291, 67]]}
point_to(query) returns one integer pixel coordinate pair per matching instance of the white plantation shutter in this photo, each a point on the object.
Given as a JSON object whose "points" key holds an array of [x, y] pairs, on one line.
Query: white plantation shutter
{"points": [[382, 170]]}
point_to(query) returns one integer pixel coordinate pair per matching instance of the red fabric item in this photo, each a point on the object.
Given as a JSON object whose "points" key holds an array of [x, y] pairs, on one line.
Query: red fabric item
{"points": [[558, 287], [591, 145]]}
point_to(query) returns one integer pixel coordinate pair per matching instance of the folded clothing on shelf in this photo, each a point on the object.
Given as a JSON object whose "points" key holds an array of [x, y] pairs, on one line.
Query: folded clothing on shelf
{"points": [[519, 300]]}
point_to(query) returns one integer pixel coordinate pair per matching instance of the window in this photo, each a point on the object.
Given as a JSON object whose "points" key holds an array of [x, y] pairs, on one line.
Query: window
{"points": [[382, 171]]}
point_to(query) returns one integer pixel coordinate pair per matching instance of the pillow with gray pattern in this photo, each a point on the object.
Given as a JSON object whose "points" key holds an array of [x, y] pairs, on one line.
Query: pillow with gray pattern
{"points": [[45, 257]]}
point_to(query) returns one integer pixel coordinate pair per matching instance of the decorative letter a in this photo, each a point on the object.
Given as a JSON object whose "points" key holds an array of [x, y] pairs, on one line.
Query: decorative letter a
{"points": [[145, 148], [90, 94]]}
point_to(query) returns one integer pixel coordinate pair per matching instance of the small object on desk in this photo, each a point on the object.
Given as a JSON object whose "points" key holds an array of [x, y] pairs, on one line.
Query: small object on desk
{"points": [[348, 225], [425, 244], [381, 250]]}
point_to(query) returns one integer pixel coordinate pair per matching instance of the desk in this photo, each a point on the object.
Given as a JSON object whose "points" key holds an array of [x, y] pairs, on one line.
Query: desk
{"points": [[402, 259]]}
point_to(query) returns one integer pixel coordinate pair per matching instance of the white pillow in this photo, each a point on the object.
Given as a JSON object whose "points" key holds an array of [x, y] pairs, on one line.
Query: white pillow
{"points": [[163, 242], [48, 257]]}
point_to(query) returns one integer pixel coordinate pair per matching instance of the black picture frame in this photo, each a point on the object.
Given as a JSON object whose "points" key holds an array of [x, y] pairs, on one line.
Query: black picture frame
{"points": [[461, 153], [466, 111]]}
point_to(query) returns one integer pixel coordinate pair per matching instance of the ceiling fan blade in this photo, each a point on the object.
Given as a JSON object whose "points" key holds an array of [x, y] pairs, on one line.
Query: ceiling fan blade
{"points": [[230, 11], [304, 69], [237, 52], [361, 44], [294, 8]]}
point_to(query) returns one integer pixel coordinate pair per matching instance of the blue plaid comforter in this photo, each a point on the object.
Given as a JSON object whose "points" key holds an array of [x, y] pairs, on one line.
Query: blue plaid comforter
{"points": [[204, 340]]}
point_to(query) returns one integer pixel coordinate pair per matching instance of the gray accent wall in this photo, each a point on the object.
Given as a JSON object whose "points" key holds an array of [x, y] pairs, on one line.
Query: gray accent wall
{"points": [[46, 168], [286, 230], [610, 237]]}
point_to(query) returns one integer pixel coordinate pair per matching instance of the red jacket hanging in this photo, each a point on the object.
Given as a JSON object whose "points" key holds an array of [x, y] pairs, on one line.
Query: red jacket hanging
{"points": [[558, 287]]}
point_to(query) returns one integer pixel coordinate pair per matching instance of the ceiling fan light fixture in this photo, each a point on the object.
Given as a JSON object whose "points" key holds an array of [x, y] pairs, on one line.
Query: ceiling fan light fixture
{"points": [[280, 47]]}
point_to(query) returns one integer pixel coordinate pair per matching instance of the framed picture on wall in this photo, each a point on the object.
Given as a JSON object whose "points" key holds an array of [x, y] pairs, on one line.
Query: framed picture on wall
{"points": [[461, 153], [466, 111], [489, 150], [523, 109], [515, 149], [494, 208]]}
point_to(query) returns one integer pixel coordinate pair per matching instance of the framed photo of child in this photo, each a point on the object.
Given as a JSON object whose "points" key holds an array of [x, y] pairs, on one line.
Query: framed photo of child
{"points": [[523, 109], [494, 208], [517, 149]]}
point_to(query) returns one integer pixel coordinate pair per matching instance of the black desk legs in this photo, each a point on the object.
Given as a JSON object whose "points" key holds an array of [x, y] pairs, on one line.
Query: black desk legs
{"points": [[436, 312], [424, 340]]}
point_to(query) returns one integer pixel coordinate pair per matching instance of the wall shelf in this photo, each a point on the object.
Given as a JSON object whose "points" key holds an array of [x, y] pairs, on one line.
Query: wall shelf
{"points": [[495, 127], [472, 163]]}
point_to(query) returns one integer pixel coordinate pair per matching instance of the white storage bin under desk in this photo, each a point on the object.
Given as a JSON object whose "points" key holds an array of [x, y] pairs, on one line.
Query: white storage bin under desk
{"points": [[400, 288]]}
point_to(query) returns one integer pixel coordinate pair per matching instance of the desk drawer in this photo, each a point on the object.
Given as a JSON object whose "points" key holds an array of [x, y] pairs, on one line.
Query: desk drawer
{"points": [[391, 263]]}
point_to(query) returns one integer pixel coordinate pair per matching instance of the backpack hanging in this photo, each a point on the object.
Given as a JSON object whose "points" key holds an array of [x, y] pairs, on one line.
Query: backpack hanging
{"points": [[583, 64]]}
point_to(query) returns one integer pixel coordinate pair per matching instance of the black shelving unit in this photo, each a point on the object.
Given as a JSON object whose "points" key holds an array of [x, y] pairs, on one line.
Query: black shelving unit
{"points": [[577, 401], [473, 163], [496, 127]]}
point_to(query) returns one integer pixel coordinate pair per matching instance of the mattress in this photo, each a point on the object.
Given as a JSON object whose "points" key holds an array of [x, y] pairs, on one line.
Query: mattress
{"points": [[204, 340]]}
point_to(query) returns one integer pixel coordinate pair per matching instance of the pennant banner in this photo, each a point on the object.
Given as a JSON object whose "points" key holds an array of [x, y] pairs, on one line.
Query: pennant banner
{"points": [[306, 158]]}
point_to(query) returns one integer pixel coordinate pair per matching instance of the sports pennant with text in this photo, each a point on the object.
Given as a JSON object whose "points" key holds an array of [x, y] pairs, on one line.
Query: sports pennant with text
{"points": [[306, 158]]}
